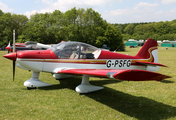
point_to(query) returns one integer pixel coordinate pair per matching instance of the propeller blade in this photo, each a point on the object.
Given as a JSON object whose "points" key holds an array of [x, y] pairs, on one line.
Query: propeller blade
{"points": [[13, 70], [16, 54]]}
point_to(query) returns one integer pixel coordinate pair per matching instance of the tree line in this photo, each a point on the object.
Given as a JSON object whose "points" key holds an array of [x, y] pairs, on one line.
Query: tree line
{"points": [[83, 25], [51, 28], [155, 30]]}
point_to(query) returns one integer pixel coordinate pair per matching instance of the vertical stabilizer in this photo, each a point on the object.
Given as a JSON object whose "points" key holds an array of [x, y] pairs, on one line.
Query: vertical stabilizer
{"points": [[149, 53]]}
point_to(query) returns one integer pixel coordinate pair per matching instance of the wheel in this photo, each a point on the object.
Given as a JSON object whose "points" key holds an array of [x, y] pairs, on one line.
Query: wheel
{"points": [[31, 88]]}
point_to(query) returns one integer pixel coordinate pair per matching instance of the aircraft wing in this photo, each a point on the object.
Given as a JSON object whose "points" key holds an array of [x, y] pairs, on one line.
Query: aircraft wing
{"points": [[121, 74]]}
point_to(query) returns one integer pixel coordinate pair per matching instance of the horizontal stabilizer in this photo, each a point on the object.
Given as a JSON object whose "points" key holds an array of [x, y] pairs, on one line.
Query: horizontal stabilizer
{"points": [[150, 63]]}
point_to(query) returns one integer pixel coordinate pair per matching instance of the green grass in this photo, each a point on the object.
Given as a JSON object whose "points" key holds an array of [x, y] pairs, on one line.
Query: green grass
{"points": [[121, 100]]}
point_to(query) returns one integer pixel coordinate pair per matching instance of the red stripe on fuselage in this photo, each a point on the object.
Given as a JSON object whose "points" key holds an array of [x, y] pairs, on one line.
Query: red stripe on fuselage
{"points": [[84, 61]]}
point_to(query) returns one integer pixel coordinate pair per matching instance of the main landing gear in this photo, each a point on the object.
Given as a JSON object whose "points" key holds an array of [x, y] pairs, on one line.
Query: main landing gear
{"points": [[86, 87]]}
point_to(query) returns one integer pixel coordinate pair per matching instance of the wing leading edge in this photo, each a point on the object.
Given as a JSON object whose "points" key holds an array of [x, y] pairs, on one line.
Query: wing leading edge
{"points": [[128, 75]]}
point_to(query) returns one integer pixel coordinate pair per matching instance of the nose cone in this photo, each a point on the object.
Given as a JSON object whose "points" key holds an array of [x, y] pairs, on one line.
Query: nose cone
{"points": [[11, 56], [8, 48]]}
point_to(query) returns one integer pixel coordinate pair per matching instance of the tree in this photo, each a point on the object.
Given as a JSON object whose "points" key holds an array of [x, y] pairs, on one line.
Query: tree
{"points": [[149, 28], [69, 25], [162, 27], [18, 23], [114, 38], [121, 27], [45, 28], [173, 28], [10, 22], [5, 28], [129, 29], [139, 29], [126, 37], [1, 13]]}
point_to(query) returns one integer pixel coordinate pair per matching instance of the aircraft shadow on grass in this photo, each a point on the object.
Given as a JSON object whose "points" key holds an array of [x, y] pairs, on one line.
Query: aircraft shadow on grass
{"points": [[167, 81], [141, 108]]}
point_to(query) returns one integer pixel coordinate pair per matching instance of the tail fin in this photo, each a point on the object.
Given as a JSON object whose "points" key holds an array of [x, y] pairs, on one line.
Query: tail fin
{"points": [[149, 53], [8, 44]]}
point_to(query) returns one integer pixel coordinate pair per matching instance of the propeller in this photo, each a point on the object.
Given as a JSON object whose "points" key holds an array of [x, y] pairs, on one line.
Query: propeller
{"points": [[13, 70], [16, 54], [12, 56]]}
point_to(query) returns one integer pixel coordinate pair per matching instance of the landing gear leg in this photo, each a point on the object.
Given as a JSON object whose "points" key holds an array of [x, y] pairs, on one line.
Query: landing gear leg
{"points": [[35, 82], [86, 87]]}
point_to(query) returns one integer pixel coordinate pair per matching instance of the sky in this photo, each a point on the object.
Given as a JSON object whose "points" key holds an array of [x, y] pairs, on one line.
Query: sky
{"points": [[113, 11]]}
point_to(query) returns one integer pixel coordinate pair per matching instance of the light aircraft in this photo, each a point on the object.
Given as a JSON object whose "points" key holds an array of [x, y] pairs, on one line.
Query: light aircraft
{"points": [[76, 58], [28, 45]]}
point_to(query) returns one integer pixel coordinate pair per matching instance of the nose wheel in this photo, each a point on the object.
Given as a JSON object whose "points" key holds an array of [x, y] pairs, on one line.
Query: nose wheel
{"points": [[35, 82]]}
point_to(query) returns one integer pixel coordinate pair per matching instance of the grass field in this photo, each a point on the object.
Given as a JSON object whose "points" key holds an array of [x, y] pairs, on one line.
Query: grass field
{"points": [[121, 100]]}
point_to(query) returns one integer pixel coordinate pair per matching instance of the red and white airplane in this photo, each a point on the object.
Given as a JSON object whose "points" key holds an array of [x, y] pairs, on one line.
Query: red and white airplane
{"points": [[28, 45], [76, 58]]}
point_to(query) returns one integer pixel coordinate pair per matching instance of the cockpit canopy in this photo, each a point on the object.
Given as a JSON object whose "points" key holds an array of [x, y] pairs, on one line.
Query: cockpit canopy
{"points": [[31, 45], [30, 42], [74, 50]]}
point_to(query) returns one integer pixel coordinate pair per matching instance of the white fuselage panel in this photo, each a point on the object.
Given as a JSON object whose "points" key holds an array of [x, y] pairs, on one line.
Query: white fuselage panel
{"points": [[52, 65]]}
